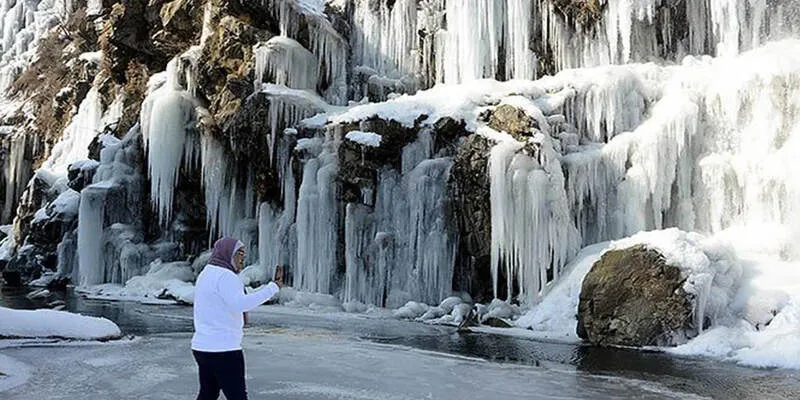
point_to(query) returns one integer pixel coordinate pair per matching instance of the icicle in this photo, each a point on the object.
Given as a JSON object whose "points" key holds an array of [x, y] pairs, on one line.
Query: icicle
{"points": [[286, 62], [387, 38], [325, 43], [287, 107], [520, 60], [331, 51], [215, 172], [208, 27], [531, 228], [166, 115]]}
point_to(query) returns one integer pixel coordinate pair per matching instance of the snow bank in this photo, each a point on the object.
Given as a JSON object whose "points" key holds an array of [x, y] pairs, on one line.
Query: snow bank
{"points": [[764, 328], [163, 283], [59, 324]]}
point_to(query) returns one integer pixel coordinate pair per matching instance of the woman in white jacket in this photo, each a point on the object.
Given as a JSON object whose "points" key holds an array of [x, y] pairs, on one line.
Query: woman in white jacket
{"points": [[219, 306]]}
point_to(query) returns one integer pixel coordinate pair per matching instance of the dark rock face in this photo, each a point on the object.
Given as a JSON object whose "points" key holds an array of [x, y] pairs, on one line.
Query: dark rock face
{"points": [[126, 37], [631, 297], [359, 165], [224, 63], [12, 278], [469, 186], [181, 21], [81, 176], [584, 12]]}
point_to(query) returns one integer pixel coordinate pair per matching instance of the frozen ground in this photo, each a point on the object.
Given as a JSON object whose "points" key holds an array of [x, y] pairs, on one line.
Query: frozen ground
{"points": [[354, 356], [295, 364]]}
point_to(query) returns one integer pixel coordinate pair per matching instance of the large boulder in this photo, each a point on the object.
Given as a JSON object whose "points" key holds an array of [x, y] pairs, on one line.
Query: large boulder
{"points": [[631, 297]]}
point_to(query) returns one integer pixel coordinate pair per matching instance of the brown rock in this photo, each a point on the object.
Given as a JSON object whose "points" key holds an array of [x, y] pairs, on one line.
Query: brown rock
{"points": [[631, 297], [181, 22], [584, 12], [512, 120]]}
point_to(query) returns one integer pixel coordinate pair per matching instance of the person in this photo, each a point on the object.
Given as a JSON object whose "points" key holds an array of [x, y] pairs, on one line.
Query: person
{"points": [[219, 306]]}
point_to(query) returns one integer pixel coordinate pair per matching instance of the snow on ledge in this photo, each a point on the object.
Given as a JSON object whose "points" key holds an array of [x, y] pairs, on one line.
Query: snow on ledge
{"points": [[370, 139], [55, 324]]}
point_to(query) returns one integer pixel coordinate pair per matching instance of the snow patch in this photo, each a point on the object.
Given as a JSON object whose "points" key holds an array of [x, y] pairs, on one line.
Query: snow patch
{"points": [[370, 139], [59, 324]]}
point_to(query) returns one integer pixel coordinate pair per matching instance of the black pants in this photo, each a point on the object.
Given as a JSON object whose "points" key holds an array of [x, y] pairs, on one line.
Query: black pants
{"points": [[223, 371]]}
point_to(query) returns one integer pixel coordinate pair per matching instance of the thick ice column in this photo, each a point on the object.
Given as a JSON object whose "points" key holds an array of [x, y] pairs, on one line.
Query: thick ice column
{"points": [[474, 38], [91, 267], [317, 225], [363, 282], [520, 59], [165, 118], [276, 241], [269, 244], [432, 239]]}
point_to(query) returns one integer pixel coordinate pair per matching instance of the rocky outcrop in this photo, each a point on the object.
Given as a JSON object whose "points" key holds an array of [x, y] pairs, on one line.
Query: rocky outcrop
{"points": [[57, 80], [631, 297], [224, 65], [584, 12], [512, 120], [470, 188], [359, 165], [181, 25], [469, 185]]}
